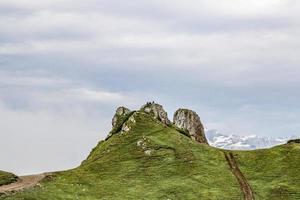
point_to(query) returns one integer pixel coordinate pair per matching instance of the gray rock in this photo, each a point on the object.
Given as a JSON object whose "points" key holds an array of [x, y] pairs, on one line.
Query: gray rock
{"points": [[120, 112], [157, 111], [189, 120], [125, 128]]}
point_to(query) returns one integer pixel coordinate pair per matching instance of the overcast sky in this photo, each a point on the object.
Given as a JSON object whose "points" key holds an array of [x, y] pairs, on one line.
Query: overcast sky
{"points": [[66, 65]]}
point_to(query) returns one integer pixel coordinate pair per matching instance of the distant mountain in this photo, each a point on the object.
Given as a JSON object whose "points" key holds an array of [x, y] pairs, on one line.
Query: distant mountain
{"points": [[236, 142]]}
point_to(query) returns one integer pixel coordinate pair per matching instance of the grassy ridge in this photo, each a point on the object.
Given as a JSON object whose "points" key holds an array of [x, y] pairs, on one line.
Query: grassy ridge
{"points": [[155, 161], [151, 161], [7, 178], [273, 173]]}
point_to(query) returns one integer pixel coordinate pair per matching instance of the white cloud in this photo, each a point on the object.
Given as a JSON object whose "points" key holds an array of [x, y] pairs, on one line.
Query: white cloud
{"points": [[32, 4], [33, 142], [37, 92], [102, 96], [248, 119], [237, 47], [22, 80]]}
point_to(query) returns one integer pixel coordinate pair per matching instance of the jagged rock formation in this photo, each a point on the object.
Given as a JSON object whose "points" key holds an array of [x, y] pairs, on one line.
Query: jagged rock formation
{"points": [[190, 121], [157, 111], [121, 116], [120, 112], [124, 118], [186, 120]]}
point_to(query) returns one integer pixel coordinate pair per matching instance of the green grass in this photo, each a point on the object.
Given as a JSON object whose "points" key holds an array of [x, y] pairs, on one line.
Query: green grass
{"points": [[155, 161], [7, 178], [273, 173], [177, 168]]}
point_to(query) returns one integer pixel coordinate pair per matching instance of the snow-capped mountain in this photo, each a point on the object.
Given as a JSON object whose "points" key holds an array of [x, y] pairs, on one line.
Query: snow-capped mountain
{"points": [[236, 142]]}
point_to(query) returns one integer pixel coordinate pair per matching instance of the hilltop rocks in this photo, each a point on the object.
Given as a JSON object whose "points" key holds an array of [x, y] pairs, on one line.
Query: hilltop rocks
{"points": [[120, 112], [157, 111], [190, 121], [187, 121]]}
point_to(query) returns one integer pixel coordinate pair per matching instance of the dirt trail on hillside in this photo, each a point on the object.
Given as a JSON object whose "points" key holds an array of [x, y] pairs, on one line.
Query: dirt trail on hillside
{"points": [[23, 182], [244, 185]]}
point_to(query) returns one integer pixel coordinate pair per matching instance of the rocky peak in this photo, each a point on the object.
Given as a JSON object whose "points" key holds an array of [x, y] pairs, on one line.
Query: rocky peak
{"points": [[157, 111], [120, 112], [190, 121], [184, 119]]}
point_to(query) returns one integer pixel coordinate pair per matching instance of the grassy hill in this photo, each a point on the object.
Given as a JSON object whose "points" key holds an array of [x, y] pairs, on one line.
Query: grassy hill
{"points": [[156, 161], [6, 178], [273, 173]]}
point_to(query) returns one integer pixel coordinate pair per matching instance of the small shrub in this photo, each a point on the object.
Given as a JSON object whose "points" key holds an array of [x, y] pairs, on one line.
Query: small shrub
{"points": [[294, 141]]}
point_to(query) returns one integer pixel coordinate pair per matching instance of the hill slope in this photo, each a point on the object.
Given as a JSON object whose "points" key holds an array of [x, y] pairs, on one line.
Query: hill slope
{"points": [[273, 173], [6, 178], [151, 161], [148, 159]]}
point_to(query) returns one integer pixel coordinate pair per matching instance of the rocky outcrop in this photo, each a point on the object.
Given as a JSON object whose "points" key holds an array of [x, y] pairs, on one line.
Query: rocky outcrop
{"points": [[120, 112], [127, 124], [189, 120], [118, 121], [157, 111]]}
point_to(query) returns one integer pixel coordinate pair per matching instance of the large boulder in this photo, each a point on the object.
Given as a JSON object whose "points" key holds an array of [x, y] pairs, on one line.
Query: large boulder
{"points": [[189, 120], [157, 111], [120, 113]]}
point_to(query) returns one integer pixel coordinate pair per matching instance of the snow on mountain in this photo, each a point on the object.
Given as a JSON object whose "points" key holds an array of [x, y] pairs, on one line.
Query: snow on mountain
{"points": [[236, 142]]}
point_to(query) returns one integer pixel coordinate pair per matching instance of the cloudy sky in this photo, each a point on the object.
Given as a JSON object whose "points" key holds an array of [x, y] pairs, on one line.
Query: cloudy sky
{"points": [[65, 65]]}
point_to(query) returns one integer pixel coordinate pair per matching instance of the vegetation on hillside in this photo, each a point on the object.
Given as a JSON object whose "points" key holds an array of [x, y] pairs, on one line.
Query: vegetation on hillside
{"points": [[151, 161], [156, 161], [6, 178], [273, 173]]}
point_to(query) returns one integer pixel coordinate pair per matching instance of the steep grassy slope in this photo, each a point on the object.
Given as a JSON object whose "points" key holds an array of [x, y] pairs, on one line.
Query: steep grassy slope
{"points": [[6, 178], [151, 161], [273, 173]]}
